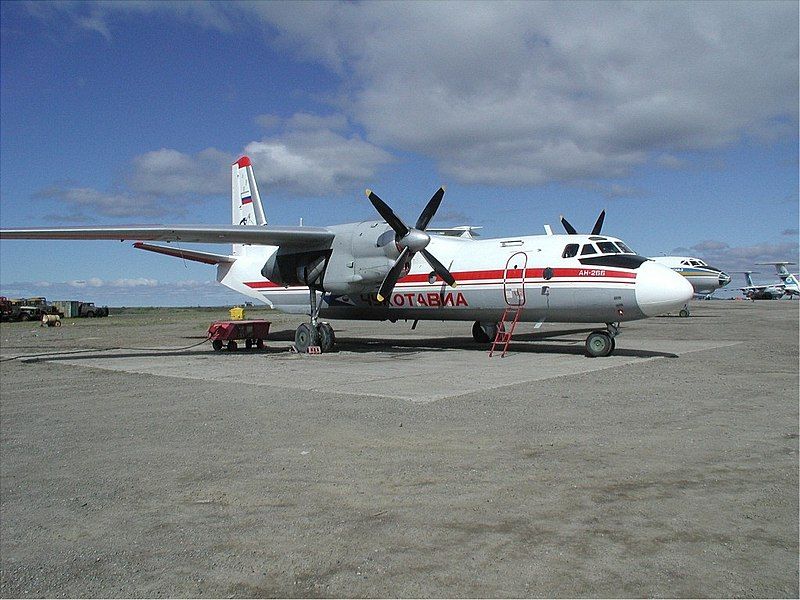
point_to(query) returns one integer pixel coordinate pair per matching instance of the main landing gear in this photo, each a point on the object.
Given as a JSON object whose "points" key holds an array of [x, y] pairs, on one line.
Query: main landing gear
{"points": [[601, 343], [315, 333], [484, 332]]}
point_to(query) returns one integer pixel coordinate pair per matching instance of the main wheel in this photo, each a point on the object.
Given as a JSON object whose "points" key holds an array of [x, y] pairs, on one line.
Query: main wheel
{"points": [[599, 343], [217, 345], [327, 338], [304, 337], [684, 312], [483, 333]]}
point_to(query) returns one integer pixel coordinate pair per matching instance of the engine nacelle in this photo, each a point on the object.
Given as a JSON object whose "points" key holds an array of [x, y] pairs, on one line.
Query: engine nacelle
{"points": [[357, 261], [363, 253]]}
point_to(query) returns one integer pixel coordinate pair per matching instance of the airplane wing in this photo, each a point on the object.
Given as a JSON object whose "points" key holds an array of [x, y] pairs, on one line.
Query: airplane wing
{"points": [[301, 237]]}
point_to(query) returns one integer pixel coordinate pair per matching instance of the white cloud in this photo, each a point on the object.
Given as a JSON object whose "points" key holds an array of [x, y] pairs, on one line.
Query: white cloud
{"points": [[521, 93], [516, 93], [153, 183], [170, 173], [85, 204], [133, 283], [93, 282], [318, 161]]}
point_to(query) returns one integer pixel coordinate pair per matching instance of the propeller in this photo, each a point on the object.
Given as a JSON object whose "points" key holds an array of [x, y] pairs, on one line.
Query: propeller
{"points": [[411, 240], [598, 225]]}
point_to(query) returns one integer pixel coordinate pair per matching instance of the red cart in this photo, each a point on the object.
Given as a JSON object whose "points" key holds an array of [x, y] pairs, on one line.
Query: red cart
{"points": [[252, 332]]}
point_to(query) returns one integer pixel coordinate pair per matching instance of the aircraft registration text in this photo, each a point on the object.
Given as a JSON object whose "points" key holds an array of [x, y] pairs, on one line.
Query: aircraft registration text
{"points": [[412, 299]]}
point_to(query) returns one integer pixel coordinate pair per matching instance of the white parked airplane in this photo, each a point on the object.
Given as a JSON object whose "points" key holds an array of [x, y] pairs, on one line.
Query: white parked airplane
{"points": [[383, 270], [769, 291], [704, 278]]}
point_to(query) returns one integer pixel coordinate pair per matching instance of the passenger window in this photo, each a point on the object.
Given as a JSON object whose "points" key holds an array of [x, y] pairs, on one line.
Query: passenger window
{"points": [[607, 248], [570, 251], [588, 249]]}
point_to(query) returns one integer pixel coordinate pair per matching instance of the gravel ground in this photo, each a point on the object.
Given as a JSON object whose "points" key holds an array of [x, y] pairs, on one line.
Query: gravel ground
{"points": [[669, 475]]}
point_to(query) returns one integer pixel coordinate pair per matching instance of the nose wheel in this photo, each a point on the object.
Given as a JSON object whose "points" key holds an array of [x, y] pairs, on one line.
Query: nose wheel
{"points": [[601, 343]]}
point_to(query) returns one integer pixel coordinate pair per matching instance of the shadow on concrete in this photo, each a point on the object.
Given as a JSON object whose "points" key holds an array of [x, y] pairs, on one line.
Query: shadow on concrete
{"points": [[564, 341]]}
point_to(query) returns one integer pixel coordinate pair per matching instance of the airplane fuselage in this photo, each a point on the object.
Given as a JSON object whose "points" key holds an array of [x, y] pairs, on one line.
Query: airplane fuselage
{"points": [[530, 271]]}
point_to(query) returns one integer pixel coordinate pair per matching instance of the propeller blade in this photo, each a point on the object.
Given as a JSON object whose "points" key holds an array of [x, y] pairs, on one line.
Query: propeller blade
{"points": [[598, 225], [392, 276], [388, 214], [567, 227], [433, 205], [439, 268]]}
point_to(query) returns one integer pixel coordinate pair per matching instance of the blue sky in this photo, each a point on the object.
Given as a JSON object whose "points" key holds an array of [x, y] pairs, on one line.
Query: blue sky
{"points": [[681, 119]]}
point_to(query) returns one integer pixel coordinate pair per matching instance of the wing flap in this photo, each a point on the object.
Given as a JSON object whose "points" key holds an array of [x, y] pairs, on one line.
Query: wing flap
{"points": [[302, 237], [208, 258]]}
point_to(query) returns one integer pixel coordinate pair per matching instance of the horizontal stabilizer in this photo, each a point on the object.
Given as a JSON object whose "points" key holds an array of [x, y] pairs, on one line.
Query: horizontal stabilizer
{"points": [[297, 237], [208, 258]]}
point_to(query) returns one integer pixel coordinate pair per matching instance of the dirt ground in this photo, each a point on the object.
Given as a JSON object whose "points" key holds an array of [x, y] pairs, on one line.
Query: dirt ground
{"points": [[137, 462]]}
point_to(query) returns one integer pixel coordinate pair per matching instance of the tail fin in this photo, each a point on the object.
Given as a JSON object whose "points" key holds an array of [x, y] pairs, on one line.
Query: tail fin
{"points": [[747, 278], [245, 201], [246, 208], [780, 268]]}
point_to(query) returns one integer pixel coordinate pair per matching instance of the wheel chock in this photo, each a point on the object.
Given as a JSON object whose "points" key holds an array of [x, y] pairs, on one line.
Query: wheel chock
{"points": [[314, 350]]}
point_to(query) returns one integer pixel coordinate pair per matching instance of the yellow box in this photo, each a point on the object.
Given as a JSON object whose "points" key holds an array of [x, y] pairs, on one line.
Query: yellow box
{"points": [[237, 313]]}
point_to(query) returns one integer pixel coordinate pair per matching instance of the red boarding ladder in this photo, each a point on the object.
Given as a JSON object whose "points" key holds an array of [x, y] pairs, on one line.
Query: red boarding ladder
{"points": [[503, 338]]}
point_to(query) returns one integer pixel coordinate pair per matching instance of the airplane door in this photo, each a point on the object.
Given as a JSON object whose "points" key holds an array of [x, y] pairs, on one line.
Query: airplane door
{"points": [[514, 279]]}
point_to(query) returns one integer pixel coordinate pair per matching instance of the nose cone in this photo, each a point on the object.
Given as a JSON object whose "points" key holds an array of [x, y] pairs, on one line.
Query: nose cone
{"points": [[659, 289], [724, 279]]}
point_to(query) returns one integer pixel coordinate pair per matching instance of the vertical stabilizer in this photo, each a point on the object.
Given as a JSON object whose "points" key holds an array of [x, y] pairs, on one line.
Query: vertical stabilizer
{"points": [[748, 279], [246, 208]]}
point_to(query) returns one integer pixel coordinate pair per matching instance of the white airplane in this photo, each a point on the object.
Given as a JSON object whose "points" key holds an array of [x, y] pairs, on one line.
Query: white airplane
{"points": [[704, 278], [791, 287], [386, 270], [771, 291]]}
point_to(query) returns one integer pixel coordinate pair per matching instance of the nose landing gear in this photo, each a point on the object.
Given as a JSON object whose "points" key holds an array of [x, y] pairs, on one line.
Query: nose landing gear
{"points": [[601, 343]]}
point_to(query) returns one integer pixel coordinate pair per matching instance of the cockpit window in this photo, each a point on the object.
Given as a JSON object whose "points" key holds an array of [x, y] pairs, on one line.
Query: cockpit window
{"points": [[698, 263], [570, 251], [686, 263], [625, 249], [588, 249], [607, 248]]}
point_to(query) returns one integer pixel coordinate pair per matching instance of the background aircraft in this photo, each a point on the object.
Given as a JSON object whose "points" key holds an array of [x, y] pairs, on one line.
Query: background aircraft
{"points": [[791, 287], [772, 291], [388, 270], [704, 278]]}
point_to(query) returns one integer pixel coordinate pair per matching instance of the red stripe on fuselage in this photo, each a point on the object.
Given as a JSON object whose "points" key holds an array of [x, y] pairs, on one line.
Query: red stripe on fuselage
{"points": [[533, 273], [570, 275]]}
